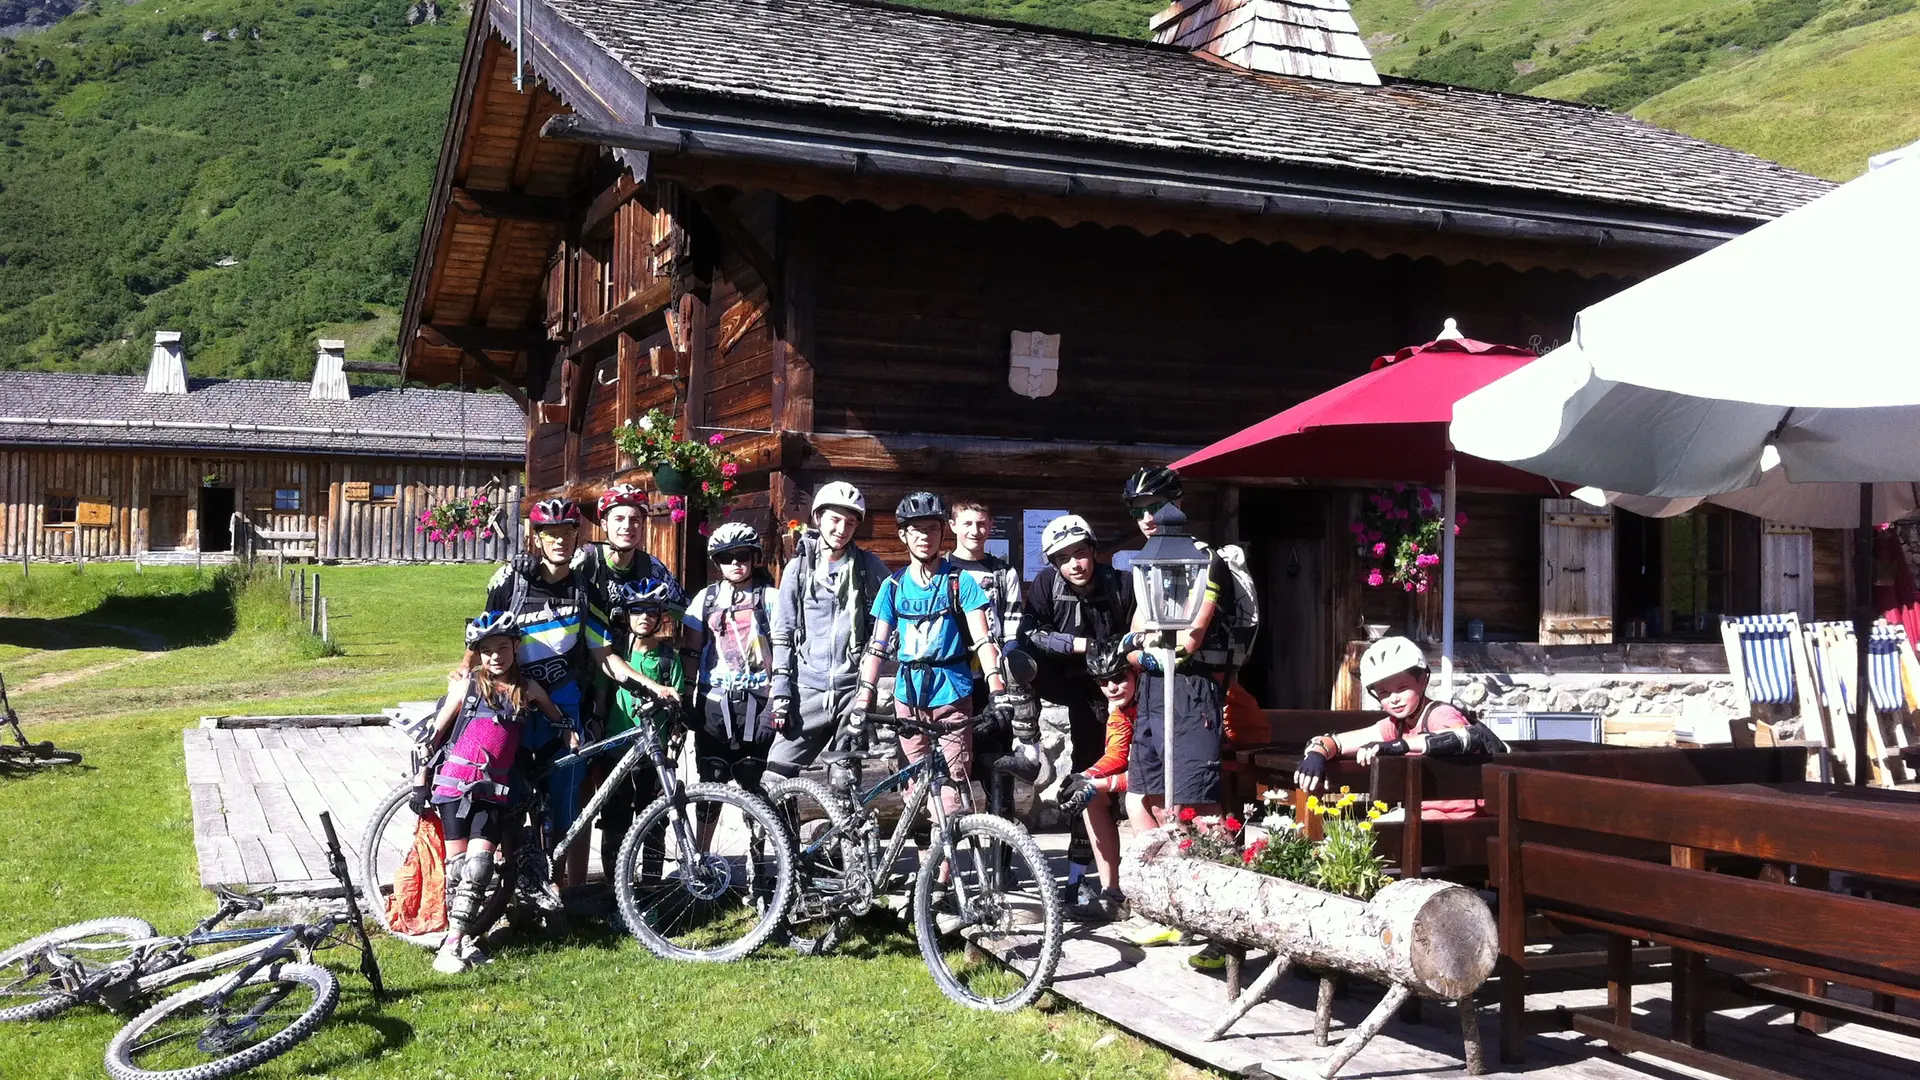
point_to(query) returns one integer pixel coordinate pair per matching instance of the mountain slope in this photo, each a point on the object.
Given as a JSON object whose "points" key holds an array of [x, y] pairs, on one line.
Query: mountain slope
{"points": [[136, 158]]}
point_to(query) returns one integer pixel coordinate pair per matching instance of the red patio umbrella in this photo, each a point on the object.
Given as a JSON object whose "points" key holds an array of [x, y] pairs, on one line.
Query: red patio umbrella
{"points": [[1389, 424]]}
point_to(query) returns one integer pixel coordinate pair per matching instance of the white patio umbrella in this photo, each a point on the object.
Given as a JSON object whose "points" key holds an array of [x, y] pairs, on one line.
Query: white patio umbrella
{"points": [[1794, 342]]}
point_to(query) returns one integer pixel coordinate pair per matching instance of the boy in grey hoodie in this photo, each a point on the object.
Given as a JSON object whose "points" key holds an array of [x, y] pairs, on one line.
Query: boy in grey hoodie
{"points": [[820, 627]]}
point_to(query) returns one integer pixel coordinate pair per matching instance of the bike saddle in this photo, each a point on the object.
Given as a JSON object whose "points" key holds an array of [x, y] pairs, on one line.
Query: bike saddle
{"points": [[244, 901]]}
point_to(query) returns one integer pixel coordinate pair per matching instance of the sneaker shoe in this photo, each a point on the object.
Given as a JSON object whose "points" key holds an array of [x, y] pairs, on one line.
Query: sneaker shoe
{"points": [[447, 961], [1211, 958], [471, 955], [1149, 934], [1108, 905], [947, 919]]}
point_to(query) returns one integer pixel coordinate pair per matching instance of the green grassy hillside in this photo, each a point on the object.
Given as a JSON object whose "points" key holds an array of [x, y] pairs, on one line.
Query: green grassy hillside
{"points": [[136, 158], [252, 191]]}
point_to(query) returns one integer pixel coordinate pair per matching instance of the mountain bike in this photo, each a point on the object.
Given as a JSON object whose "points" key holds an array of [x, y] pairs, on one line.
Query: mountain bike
{"points": [[705, 873], [983, 892], [271, 998], [19, 754]]}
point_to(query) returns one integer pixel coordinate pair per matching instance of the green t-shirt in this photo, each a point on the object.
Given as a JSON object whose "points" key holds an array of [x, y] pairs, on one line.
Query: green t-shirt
{"points": [[661, 663]]}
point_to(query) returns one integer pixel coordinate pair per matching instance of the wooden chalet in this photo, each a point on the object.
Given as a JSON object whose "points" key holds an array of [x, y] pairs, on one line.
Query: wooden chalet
{"points": [[912, 249], [172, 468]]}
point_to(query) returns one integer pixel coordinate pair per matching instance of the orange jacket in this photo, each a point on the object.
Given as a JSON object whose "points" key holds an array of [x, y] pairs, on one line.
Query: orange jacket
{"points": [[1241, 721]]}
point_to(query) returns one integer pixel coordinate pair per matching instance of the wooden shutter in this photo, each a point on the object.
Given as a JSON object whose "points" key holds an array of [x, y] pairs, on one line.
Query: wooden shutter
{"points": [[1786, 570], [1576, 573]]}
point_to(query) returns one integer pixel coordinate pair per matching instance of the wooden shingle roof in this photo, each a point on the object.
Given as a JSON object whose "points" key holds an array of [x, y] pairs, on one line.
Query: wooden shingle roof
{"points": [[964, 74], [257, 416]]}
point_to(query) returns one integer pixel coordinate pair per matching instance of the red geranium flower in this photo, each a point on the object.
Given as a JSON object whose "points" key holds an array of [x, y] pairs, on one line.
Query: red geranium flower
{"points": [[1187, 814], [1232, 823], [1186, 842]]}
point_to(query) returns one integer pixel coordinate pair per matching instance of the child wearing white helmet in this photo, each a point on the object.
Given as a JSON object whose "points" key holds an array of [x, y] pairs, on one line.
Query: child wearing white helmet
{"points": [[820, 629], [730, 628], [1395, 672]]}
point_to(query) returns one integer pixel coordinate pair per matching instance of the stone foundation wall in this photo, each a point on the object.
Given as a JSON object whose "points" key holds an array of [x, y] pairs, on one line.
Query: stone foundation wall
{"points": [[1682, 697]]}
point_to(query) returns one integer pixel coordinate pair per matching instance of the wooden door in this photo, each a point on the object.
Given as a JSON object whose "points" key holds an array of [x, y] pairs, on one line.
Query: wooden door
{"points": [[1576, 573], [169, 528], [1294, 623], [1786, 570]]}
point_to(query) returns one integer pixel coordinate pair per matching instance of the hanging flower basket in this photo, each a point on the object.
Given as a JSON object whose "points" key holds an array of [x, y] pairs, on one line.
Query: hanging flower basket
{"points": [[697, 477], [1399, 534], [669, 480], [464, 517]]}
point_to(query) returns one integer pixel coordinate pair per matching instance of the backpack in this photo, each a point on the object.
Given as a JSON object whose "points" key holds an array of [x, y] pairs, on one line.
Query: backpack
{"points": [[1243, 617]]}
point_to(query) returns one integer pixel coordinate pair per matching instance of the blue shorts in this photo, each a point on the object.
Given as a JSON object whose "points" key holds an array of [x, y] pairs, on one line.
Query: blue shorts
{"points": [[563, 785]]}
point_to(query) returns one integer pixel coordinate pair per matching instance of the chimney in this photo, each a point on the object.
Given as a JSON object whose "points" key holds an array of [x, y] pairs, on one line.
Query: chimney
{"points": [[1317, 39], [330, 371], [167, 369]]}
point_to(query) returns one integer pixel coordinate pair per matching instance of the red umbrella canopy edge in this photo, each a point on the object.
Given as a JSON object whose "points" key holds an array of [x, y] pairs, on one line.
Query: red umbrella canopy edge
{"points": [[1389, 424]]}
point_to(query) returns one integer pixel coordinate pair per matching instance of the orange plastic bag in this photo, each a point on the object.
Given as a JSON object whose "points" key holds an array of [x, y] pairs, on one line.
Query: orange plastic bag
{"points": [[419, 901]]}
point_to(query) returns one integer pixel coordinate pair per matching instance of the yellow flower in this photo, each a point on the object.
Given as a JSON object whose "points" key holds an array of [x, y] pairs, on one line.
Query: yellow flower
{"points": [[1348, 800], [1345, 790], [1380, 806], [1366, 826], [1373, 815]]}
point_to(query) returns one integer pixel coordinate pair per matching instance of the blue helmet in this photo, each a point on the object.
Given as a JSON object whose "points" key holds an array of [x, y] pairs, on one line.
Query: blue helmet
{"points": [[492, 624], [650, 594]]}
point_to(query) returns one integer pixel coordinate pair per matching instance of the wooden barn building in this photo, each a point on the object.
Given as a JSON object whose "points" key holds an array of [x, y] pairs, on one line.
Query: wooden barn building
{"points": [[912, 249], [173, 468]]}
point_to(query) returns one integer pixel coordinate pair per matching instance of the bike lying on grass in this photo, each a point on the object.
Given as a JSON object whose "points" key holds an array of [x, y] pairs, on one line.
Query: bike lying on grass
{"points": [[271, 997], [705, 873], [21, 755], [984, 893]]}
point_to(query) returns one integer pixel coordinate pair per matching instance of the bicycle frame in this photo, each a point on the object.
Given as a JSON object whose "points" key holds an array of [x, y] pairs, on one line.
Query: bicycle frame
{"points": [[641, 741]]}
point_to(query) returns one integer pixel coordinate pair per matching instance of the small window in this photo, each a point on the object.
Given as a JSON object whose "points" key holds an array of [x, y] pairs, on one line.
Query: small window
{"points": [[385, 492], [61, 509], [286, 499]]}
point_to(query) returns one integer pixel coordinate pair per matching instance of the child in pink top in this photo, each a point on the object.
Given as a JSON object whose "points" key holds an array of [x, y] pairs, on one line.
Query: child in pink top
{"points": [[1395, 673]]}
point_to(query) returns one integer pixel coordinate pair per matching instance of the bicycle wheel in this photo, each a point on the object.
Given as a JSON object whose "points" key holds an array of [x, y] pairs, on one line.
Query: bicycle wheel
{"points": [[1001, 921], [384, 847], [826, 863], [32, 989], [190, 1036], [723, 901]]}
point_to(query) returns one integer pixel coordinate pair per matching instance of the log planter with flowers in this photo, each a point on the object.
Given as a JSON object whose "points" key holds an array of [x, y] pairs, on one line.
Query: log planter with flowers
{"points": [[1419, 937]]}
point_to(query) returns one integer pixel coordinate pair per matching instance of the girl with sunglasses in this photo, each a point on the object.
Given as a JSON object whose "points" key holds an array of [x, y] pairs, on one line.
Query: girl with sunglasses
{"points": [[729, 625]]}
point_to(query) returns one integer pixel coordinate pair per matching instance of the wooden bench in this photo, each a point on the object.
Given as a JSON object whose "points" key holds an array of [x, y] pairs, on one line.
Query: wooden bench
{"points": [[1805, 934], [1287, 732]]}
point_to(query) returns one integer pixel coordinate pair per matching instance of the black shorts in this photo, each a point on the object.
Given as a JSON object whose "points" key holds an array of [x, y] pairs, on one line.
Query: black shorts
{"points": [[473, 819], [721, 759], [1197, 701]]}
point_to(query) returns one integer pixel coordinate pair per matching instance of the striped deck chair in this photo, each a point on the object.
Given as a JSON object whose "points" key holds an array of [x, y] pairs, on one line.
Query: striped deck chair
{"points": [[1773, 677], [1833, 647]]}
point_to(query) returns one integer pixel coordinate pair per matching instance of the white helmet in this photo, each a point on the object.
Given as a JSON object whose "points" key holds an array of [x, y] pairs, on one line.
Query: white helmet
{"points": [[730, 535], [1063, 532], [841, 496], [1389, 657]]}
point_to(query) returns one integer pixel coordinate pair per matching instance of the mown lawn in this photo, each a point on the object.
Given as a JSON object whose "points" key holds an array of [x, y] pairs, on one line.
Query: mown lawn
{"points": [[116, 838]]}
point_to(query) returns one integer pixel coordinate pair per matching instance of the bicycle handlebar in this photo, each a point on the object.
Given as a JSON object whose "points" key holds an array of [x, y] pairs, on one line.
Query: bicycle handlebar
{"points": [[931, 726]]}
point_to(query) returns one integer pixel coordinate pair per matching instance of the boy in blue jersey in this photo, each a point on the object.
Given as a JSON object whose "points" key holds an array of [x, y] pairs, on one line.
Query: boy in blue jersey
{"points": [[938, 611]]}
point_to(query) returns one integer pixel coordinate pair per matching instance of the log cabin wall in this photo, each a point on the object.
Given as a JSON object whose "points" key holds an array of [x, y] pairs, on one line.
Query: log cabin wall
{"points": [[146, 502]]}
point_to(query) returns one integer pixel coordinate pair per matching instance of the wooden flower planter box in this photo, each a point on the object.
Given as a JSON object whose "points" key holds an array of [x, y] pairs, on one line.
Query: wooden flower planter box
{"points": [[1433, 939]]}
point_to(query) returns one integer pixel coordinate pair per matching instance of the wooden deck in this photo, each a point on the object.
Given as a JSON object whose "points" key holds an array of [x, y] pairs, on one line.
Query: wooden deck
{"points": [[258, 793]]}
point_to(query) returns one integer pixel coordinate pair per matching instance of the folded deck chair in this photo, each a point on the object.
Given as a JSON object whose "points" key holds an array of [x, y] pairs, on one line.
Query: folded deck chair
{"points": [[1836, 662], [1768, 659]]}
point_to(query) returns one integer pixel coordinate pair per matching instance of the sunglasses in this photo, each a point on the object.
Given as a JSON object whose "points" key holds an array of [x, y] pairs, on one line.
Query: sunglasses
{"points": [[1114, 680], [727, 558], [1147, 511]]}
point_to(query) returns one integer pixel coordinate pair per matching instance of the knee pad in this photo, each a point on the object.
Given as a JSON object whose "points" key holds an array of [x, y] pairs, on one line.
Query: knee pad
{"points": [[456, 865], [477, 875]]}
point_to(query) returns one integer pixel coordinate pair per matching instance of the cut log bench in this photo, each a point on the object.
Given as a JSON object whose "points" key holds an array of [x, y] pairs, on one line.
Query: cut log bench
{"points": [[1419, 937]]}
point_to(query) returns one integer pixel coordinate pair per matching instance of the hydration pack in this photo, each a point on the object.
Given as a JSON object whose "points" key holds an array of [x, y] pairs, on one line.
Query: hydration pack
{"points": [[1242, 617]]}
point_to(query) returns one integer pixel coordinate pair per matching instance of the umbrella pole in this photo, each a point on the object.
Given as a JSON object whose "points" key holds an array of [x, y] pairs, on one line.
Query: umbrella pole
{"points": [[1449, 504], [1862, 628]]}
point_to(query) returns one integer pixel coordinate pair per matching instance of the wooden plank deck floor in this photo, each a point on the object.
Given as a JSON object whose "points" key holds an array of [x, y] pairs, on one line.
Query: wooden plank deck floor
{"points": [[1154, 994], [258, 792]]}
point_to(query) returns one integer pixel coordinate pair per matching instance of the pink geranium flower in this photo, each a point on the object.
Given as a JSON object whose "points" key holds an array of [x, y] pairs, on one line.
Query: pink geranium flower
{"points": [[1375, 578], [730, 468], [716, 439], [678, 514], [1379, 550]]}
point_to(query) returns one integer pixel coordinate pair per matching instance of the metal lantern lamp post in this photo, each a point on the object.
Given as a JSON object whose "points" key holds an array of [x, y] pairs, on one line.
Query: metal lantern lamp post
{"points": [[1169, 585]]}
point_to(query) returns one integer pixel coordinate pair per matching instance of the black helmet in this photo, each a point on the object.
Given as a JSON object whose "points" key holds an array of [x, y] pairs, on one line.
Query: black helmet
{"points": [[920, 504], [1156, 481], [1107, 659]]}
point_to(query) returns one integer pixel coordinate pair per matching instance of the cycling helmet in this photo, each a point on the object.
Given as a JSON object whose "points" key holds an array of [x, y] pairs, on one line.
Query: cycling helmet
{"points": [[1155, 481], [554, 512], [840, 495], [1389, 657], [920, 504], [1107, 659], [1063, 532], [619, 495], [492, 624], [650, 594], [731, 536]]}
